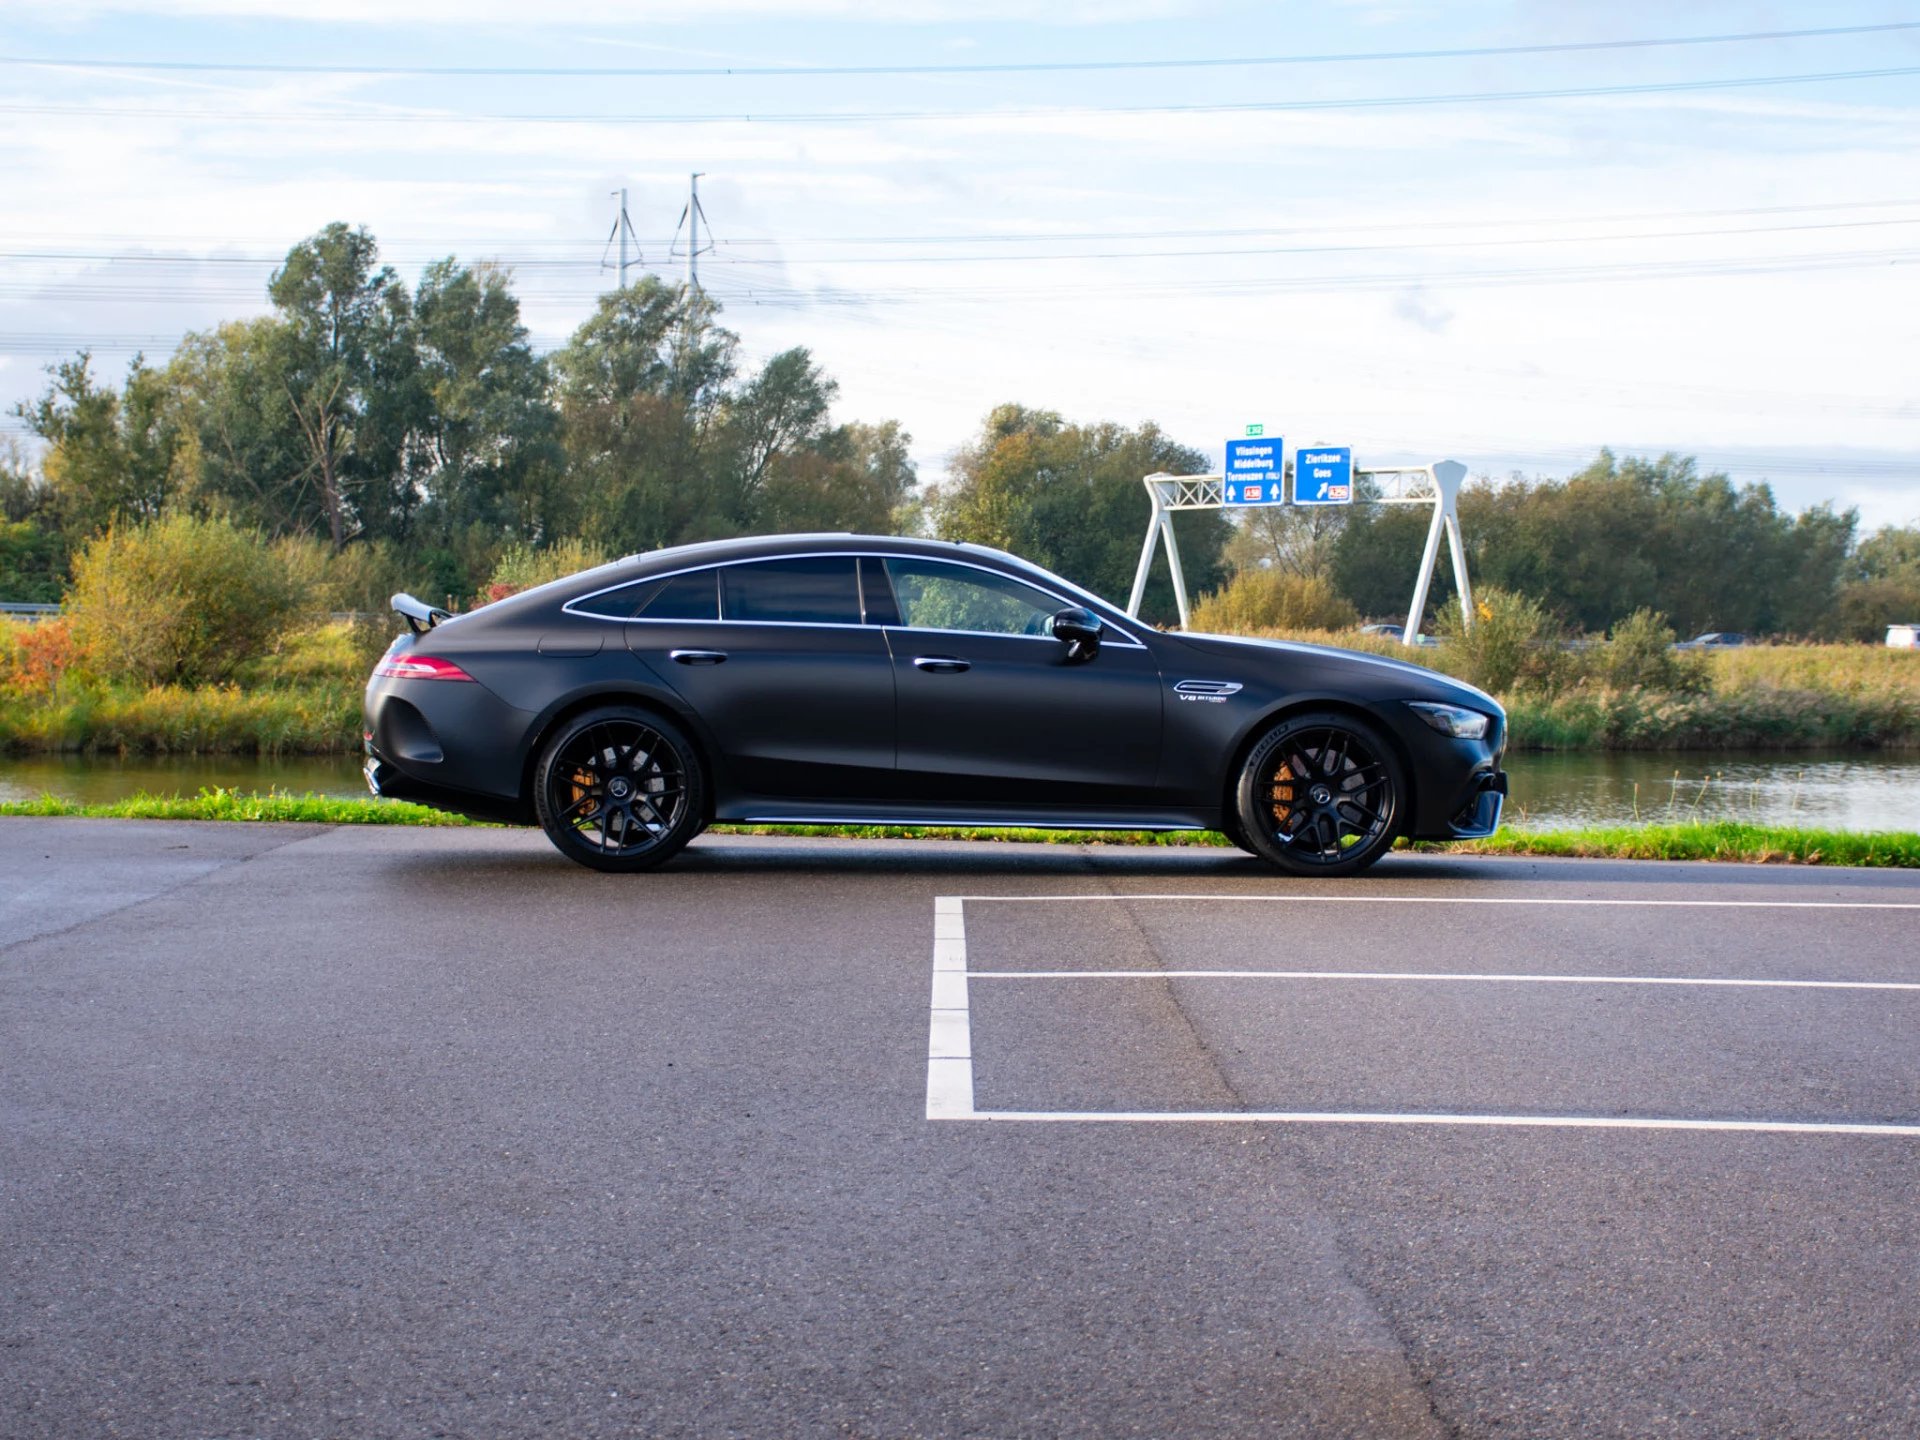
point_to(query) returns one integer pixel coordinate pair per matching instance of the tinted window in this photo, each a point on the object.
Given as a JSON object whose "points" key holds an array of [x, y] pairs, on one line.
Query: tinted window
{"points": [[692, 596], [813, 589], [936, 596]]}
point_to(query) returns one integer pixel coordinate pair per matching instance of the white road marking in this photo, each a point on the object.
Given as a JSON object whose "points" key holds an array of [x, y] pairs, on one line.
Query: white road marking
{"points": [[949, 1028], [1465, 900], [1387, 1117], [1438, 975], [950, 1038]]}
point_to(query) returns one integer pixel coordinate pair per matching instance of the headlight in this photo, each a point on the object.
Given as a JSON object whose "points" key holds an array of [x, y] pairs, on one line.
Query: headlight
{"points": [[1454, 720]]}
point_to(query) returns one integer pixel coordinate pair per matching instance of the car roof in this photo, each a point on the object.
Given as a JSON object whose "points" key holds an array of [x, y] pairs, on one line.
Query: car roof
{"points": [[825, 542], [640, 566]]}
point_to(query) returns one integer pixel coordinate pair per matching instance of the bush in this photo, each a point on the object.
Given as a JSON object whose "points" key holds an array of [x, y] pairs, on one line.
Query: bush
{"points": [[1639, 655], [523, 567], [176, 601], [1273, 600], [358, 579], [1514, 641], [34, 655]]}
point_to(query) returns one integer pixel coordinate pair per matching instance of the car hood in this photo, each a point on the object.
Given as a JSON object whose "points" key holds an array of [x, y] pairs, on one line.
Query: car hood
{"points": [[1422, 683]]}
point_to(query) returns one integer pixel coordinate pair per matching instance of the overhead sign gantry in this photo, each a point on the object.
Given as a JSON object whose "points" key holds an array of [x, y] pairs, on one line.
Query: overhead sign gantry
{"points": [[1436, 483]]}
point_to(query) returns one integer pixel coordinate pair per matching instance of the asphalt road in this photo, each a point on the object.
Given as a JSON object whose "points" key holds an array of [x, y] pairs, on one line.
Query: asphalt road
{"points": [[385, 1132]]}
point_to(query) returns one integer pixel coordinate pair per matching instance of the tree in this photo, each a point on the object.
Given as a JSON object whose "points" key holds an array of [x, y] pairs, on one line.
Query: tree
{"points": [[111, 454], [1069, 497], [778, 416], [488, 446], [1620, 536], [640, 386], [1882, 585], [253, 460], [348, 372]]}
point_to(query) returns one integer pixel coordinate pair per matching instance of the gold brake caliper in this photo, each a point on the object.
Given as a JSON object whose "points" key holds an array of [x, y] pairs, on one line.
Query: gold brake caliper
{"points": [[583, 782], [1282, 794]]}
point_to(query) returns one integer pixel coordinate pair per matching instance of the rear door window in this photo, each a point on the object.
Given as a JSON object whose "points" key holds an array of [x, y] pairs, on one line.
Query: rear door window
{"points": [[804, 590]]}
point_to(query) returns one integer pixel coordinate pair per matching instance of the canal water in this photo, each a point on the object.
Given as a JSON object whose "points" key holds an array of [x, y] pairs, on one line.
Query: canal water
{"points": [[1847, 791]]}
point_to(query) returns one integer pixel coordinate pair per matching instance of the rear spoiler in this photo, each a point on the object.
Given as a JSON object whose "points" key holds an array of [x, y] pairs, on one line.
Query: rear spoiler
{"points": [[420, 616]]}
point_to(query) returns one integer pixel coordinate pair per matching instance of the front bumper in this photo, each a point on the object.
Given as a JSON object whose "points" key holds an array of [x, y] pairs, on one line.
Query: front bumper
{"points": [[1479, 817]]}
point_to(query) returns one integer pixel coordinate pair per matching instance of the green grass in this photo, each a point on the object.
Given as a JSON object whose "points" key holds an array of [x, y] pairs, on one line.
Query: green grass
{"points": [[1725, 840], [1756, 844], [220, 804]]}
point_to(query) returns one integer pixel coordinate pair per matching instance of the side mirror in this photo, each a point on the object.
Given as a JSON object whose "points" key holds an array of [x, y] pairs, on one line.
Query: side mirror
{"points": [[1080, 631]]}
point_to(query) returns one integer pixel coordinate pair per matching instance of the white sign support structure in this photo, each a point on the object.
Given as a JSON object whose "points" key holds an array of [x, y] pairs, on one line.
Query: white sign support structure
{"points": [[1436, 484]]}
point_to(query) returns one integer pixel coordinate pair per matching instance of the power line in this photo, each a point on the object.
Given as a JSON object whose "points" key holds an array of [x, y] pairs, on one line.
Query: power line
{"points": [[395, 247], [829, 117], [135, 260], [243, 67]]}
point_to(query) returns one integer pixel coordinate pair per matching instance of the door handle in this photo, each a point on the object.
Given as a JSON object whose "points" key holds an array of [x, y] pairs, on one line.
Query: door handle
{"points": [[941, 664], [697, 657]]}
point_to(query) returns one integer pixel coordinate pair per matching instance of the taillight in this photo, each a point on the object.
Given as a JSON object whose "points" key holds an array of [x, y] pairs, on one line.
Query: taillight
{"points": [[419, 667]]}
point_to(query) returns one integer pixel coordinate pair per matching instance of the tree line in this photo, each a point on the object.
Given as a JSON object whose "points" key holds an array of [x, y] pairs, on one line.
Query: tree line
{"points": [[421, 423], [415, 435], [1620, 536]]}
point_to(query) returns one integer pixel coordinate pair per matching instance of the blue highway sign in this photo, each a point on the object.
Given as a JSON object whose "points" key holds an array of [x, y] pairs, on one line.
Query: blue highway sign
{"points": [[1253, 471], [1323, 475]]}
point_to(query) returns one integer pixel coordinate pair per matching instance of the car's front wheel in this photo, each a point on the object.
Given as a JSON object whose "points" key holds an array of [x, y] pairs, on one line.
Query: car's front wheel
{"points": [[1321, 794], [619, 789]]}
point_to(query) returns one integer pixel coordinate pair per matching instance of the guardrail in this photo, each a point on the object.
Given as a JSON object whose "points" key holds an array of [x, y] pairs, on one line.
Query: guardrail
{"points": [[27, 608]]}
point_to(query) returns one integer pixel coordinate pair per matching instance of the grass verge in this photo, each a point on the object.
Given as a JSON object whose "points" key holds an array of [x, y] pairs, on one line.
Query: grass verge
{"points": [[1752, 844]]}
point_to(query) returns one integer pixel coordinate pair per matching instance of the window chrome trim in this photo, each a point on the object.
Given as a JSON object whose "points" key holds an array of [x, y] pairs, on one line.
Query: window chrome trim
{"points": [[1111, 630]]}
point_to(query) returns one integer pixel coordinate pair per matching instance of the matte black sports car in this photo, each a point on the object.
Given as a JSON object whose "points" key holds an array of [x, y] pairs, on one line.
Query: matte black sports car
{"points": [[847, 678]]}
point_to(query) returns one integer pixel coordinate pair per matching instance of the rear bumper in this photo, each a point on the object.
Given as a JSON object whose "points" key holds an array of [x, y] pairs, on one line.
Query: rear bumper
{"points": [[390, 782]]}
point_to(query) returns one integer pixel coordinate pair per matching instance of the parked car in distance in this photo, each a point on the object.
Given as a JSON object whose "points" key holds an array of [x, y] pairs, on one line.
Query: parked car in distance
{"points": [[1713, 640], [835, 679], [1398, 632], [1904, 637]]}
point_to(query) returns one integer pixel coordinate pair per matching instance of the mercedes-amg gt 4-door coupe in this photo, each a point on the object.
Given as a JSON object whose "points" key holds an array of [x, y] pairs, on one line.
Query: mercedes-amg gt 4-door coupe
{"points": [[834, 679]]}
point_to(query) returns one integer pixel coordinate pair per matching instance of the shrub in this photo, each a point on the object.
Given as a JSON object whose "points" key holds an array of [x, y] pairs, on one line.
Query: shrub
{"points": [[1273, 600], [176, 601], [1639, 655], [522, 567], [1514, 641], [36, 655]]}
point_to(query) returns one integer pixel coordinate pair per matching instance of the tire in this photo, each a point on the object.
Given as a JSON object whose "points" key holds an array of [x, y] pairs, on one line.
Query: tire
{"points": [[1230, 828], [1321, 794], [619, 789]]}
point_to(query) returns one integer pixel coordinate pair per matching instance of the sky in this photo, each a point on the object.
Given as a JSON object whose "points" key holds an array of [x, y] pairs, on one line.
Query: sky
{"points": [[1505, 233]]}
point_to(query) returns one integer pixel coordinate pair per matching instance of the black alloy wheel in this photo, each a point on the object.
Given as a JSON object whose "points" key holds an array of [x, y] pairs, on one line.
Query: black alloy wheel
{"points": [[1321, 794], [619, 789]]}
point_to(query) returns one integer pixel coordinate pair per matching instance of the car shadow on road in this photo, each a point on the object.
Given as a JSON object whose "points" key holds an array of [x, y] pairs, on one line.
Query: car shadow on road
{"points": [[740, 855]]}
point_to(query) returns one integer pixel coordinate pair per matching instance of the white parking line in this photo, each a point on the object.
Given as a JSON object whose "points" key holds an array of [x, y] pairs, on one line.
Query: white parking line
{"points": [[1382, 1117], [1460, 900], [949, 1032], [1437, 975], [950, 1041]]}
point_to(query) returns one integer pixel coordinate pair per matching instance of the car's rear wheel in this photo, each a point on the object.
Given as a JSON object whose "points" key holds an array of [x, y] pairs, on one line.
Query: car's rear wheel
{"points": [[619, 789], [1321, 794]]}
